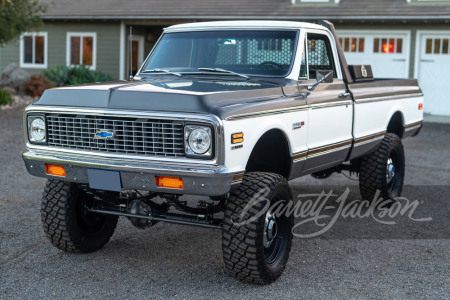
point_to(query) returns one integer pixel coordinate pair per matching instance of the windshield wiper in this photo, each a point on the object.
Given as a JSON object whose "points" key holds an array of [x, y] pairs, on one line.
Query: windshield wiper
{"points": [[162, 71], [219, 70]]}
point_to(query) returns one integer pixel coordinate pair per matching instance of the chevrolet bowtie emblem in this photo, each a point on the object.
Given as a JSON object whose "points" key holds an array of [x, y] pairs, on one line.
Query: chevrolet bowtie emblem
{"points": [[103, 134]]}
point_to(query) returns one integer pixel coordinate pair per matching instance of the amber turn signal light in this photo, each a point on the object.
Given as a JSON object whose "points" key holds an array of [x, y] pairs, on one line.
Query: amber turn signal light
{"points": [[169, 182], [237, 138], [55, 170], [420, 106]]}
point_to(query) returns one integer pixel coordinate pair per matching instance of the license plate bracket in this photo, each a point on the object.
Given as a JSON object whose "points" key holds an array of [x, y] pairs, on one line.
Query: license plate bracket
{"points": [[108, 180]]}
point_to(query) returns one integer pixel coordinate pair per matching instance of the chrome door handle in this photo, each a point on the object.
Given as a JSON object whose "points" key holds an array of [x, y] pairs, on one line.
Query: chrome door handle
{"points": [[344, 95]]}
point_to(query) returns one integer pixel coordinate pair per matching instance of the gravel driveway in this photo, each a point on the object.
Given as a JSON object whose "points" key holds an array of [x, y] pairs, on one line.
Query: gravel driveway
{"points": [[355, 259]]}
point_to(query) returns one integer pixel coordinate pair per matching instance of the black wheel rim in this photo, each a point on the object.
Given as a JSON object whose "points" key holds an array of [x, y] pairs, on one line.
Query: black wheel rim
{"points": [[393, 172], [275, 236]]}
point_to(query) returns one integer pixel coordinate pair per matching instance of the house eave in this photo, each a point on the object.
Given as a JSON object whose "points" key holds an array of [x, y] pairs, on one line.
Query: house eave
{"points": [[378, 18]]}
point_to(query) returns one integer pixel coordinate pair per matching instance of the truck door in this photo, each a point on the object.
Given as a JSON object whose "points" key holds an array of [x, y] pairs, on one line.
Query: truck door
{"points": [[330, 110]]}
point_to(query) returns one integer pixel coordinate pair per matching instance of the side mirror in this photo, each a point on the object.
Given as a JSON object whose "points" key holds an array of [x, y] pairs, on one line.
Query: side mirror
{"points": [[327, 74], [322, 76]]}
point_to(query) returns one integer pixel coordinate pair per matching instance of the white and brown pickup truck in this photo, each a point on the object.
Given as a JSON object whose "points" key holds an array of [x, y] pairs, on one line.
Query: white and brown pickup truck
{"points": [[230, 111]]}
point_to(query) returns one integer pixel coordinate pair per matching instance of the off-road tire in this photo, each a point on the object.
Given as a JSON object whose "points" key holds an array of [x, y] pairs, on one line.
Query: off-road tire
{"points": [[244, 253], [66, 222], [373, 170]]}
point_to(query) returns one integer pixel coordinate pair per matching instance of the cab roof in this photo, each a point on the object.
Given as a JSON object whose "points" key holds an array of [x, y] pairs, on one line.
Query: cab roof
{"points": [[243, 25]]}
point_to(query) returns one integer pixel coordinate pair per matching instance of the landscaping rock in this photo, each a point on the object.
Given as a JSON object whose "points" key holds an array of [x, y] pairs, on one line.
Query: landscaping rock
{"points": [[13, 76], [11, 90]]}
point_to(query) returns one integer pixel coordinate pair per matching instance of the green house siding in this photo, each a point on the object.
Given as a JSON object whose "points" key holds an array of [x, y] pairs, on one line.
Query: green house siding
{"points": [[9, 53], [108, 46], [315, 2]]}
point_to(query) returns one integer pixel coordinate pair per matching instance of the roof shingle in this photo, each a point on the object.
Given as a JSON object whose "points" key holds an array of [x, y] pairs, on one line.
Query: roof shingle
{"points": [[243, 9]]}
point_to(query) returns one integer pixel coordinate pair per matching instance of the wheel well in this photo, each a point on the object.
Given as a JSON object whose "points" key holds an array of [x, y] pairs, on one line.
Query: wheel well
{"points": [[396, 124], [271, 154]]}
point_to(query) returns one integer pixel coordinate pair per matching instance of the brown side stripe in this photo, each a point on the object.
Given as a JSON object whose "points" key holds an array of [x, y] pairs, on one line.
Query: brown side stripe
{"points": [[300, 155], [315, 151], [329, 148], [370, 137], [409, 126], [363, 139]]}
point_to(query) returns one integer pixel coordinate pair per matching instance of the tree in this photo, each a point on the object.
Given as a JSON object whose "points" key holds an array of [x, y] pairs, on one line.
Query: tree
{"points": [[17, 16]]}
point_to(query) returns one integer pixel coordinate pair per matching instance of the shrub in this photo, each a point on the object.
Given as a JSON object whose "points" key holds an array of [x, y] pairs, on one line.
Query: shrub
{"points": [[59, 75], [37, 85], [63, 75], [80, 74], [5, 97]]}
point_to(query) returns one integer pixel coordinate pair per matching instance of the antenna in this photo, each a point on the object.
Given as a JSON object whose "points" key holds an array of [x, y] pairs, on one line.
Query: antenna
{"points": [[131, 53]]}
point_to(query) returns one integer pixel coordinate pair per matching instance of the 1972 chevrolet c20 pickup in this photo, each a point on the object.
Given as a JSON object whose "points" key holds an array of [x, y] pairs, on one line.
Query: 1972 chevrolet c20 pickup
{"points": [[230, 110]]}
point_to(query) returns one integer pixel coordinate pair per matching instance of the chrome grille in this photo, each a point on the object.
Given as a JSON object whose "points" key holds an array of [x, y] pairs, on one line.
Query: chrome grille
{"points": [[139, 136]]}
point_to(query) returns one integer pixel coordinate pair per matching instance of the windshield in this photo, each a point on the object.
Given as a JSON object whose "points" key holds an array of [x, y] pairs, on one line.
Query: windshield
{"points": [[256, 52]]}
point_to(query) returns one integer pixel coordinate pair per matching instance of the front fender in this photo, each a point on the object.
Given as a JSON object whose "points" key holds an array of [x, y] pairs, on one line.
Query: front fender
{"points": [[237, 155]]}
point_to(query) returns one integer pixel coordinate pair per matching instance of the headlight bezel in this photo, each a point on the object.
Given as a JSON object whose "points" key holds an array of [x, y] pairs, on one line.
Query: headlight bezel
{"points": [[190, 153], [30, 119]]}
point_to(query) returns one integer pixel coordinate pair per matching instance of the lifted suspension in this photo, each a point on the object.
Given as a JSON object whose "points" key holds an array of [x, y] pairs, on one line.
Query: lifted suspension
{"points": [[143, 212], [167, 217]]}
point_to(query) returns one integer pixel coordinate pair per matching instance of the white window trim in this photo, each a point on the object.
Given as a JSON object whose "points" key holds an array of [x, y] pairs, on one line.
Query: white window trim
{"points": [[94, 48], [22, 45], [122, 51], [140, 40]]}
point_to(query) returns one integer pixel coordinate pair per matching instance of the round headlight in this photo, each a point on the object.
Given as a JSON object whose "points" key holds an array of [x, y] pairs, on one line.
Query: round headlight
{"points": [[37, 129], [199, 141]]}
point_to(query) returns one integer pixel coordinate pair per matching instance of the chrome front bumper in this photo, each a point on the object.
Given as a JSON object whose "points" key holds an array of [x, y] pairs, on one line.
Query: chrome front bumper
{"points": [[197, 179]]}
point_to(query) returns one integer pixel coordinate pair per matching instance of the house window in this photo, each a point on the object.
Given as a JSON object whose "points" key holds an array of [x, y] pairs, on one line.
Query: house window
{"points": [[437, 46], [388, 45], [81, 49], [33, 50], [352, 44]]}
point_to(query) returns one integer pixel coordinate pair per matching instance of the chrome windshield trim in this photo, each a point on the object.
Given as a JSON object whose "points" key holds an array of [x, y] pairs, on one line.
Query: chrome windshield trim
{"points": [[187, 117], [237, 28]]}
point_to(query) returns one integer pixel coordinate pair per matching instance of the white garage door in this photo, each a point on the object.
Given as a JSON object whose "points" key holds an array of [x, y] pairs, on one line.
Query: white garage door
{"points": [[387, 52], [434, 72]]}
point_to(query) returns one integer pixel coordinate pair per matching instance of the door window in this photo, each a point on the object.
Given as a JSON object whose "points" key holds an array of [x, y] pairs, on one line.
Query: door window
{"points": [[319, 56]]}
